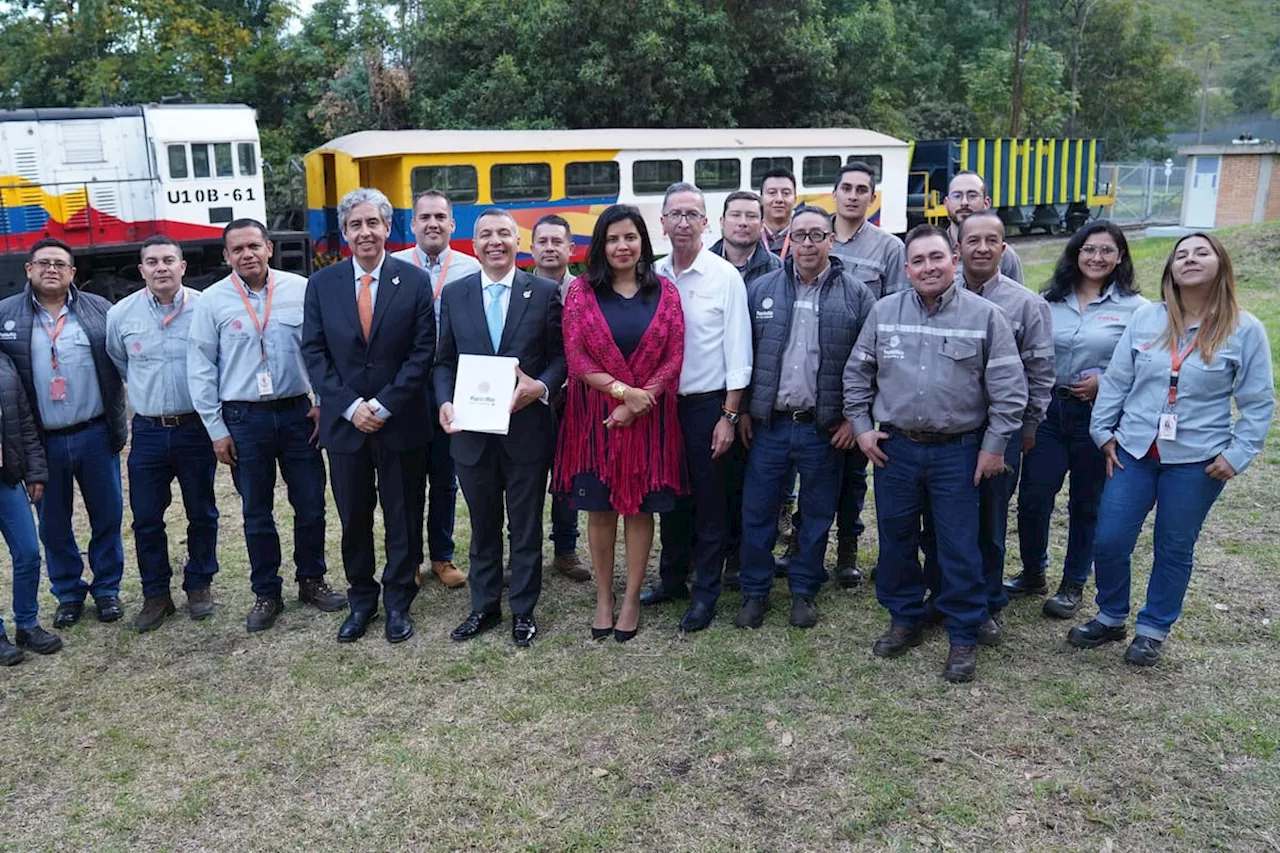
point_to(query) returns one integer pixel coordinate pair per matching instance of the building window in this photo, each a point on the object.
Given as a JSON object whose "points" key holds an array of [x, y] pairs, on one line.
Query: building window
{"points": [[592, 180], [761, 165], [178, 161], [520, 182], [820, 171], [654, 176], [248, 159], [200, 161], [222, 160], [459, 183], [718, 174]]}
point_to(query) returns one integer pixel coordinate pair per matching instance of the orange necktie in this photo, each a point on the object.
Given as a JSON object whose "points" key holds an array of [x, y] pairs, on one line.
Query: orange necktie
{"points": [[364, 305]]}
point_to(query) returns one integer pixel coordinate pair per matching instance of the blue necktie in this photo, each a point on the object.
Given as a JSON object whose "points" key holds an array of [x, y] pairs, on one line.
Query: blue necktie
{"points": [[493, 314]]}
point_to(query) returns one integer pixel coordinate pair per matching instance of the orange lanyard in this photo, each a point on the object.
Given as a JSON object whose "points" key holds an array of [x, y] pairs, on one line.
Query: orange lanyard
{"points": [[786, 243], [1175, 366], [253, 315], [53, 332], [444, 271], [169, 318]]}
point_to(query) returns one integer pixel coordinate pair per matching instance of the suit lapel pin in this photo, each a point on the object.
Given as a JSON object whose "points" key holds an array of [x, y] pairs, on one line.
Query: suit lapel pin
{"points": [[528, 294], [395, 280]]}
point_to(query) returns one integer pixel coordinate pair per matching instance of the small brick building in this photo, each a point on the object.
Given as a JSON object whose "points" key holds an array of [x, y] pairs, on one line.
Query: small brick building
{"points": [[1231, 184]]}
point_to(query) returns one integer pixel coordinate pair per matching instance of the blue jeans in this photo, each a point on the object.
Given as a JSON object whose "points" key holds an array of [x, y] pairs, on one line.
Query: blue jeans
{"points": [[781, 447], [564, 526], [85, 458], [157, 456], [1062, 445], [265, 437], [24, 548], [442, 500], [994, 495], [853, 495], [1182, 496], [938, 477]]}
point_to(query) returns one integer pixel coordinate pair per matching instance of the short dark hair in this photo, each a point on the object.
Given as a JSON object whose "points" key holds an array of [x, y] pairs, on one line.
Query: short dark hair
{"points": [[964, 173], [599, 274], [160, 240], [810, 208], [980, 215], [920, 232], [552, 219], [432, 193], [778, 172], [237, 224], [855, 166], [497, 211], [49, 243], [1066, 274], [743, 195]]}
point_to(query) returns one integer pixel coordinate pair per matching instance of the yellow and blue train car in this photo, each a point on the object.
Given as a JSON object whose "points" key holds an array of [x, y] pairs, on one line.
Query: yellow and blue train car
{"points": [[578, 173], [1033, 183]]}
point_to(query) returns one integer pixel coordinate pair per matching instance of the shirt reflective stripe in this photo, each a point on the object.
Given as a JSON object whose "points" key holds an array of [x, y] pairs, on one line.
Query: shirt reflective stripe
{"points": [[978, 334], [1003, 360]]}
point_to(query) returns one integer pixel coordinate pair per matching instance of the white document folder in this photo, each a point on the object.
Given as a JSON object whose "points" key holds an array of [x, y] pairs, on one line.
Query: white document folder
{"points": [[482, 393]]}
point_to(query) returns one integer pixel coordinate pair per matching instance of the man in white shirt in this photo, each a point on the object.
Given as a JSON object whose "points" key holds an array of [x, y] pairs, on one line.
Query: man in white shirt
{"points": [[717, 367]]}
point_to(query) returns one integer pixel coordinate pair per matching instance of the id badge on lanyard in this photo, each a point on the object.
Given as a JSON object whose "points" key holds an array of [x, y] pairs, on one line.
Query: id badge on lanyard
{"points": [[58, 384], [266, 388], [1168, 427]]}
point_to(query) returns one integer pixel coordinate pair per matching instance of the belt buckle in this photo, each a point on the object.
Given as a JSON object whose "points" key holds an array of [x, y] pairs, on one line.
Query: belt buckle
{"points": [[798, 416], [171, 420]]}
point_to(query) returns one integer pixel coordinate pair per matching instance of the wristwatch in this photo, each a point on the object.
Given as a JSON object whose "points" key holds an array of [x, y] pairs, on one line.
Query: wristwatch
{"points": [[731, 417]]}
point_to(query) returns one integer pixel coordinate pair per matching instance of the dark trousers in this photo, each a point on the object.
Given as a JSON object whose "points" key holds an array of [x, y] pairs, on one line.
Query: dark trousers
{"points": [[441, 500], [1062, 446], [853, 496], [695, 534], [781, 447], [939, 477], [85, 459], [360, 481], [157, 456], [564, 526], [265, 437], [522, 486], [994, 494]]}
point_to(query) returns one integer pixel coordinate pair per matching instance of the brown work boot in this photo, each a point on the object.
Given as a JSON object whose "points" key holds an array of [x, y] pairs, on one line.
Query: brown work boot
{"points": [[571, 567], [448, 573], [961, 665], [154, 611], [200, 603], [318, 594], [264, 613]]}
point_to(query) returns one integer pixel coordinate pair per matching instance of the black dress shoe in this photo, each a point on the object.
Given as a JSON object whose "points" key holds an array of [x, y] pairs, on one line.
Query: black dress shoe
{"points": [[522, 630], [697, 617], [804, 613], [475, 625], [1064, 603], [355, 625], [1143, 651], [600, 633], [68, 614], [751, 613], [39, 640], [658, 593], [961, 665], [898, 641], [847, 573], [399, 626], [1093, 633], [10, 655], [989, 633], [109, 609], [1026, 583], [263, 615]]}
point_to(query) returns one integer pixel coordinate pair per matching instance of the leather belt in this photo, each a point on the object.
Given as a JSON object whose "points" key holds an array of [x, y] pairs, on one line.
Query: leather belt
{"points": [[701, 395], [269, 405], [1063, 392], [920, 437], [170, 421], [799, 416], [74, 428]]}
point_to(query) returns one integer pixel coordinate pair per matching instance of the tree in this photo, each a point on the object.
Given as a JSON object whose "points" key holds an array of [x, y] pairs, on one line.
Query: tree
{"points": [[1045, 104]]}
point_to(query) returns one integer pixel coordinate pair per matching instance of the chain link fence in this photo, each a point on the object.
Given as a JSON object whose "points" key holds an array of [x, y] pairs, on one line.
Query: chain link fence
{"points": [[1145, 192]]}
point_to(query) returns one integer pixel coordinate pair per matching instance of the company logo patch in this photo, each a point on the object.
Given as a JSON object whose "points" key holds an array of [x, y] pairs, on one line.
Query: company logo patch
{"points": [[895, 341], [137, 346], [9, 325], [767, 303], [236, 325]]}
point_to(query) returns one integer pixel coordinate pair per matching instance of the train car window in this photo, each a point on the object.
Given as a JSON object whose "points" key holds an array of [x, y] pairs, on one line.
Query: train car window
{"points": [[460, 183], [200, 160], [592, 179], [723, 174], [222, 160], [248, 159], [760, 165], [521, 181], [654, 176], [178, 161], [875, 161], [820, 171]]}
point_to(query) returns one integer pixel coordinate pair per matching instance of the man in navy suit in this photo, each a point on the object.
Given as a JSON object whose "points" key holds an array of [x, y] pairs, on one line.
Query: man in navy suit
{"points": [[503, 311], [368, 340]]}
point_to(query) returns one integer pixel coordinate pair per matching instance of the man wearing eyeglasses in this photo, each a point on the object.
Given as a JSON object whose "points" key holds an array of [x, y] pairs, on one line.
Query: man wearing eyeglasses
{"points": [[717, 367], [56, 335], [805, 319], [967, 195]]}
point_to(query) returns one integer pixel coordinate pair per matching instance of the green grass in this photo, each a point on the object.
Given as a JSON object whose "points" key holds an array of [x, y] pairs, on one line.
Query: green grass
{"points": [[201, 737]]}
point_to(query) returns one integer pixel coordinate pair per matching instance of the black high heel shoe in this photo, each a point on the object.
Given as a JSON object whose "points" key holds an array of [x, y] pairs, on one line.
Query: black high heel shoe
{"points": [[598, 634], [624, 636]]}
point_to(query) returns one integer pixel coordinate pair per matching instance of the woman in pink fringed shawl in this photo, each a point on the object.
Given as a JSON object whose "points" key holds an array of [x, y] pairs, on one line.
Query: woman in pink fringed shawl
{"points": [[620, 450]]}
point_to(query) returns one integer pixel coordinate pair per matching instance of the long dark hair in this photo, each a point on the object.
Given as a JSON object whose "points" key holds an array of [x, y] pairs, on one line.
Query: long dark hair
{"points": [[599, 273], [1066, 275]]}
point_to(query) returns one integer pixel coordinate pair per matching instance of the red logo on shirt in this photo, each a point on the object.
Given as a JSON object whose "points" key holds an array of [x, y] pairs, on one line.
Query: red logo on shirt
{"points": [[137, 346], [1108, 318], [236, 325]]}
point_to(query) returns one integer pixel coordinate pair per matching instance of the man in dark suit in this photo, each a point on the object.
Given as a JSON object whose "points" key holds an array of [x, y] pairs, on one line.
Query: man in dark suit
{"points": [[368, 340], [503, 311]]}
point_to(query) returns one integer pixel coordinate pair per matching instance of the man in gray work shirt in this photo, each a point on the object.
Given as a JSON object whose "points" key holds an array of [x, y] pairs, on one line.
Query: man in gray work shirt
{"points": [[148, 337], [966, 196], [981, 248], [938, 368]]}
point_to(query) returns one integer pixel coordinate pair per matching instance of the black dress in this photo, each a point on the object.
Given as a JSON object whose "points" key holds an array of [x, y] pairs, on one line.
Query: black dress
{"points": [[628, 320]]}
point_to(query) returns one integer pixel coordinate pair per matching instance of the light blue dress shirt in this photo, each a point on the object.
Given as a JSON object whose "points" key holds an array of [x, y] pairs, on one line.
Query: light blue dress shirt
{"points": [[225, 357], [1084, 339], [1134, 392], [378, 409], [459, 266], [83, 400], [150, 355]]}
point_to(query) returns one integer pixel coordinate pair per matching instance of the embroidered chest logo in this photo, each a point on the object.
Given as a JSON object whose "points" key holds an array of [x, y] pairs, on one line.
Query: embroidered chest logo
{"points": [[137, 346], [893, 350], [236, 325]]}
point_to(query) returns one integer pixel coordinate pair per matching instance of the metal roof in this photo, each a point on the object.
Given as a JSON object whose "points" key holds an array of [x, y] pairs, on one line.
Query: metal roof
{"points": [[390, 143], [84, 113]]}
